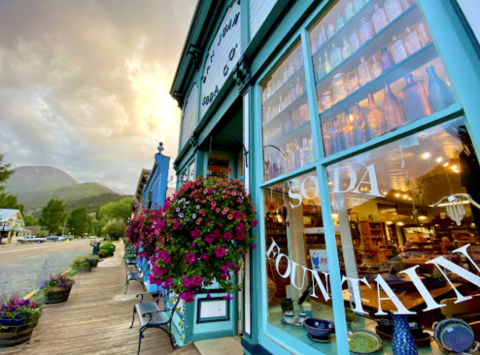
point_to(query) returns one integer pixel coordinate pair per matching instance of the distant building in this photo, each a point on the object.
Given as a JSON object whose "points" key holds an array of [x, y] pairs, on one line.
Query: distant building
{"points": [[155, 190], [11, 224], [138, 206]]}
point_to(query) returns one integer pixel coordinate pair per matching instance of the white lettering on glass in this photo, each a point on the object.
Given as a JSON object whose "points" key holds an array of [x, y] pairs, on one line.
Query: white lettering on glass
{"points": [[356, 296], [391, 296]]}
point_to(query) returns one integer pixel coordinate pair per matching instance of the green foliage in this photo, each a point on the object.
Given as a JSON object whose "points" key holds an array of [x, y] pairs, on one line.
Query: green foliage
{"points": [[5, 172], [108, 247], [79, 221], [115, 229], [31, 221], [116, 210], [53, 215], [7, 200]]}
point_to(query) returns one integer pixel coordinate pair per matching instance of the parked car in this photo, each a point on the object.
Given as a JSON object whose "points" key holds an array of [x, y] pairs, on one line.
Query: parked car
{"points": [[63, 237], [52, 237], [92, 237], [31, 239]]}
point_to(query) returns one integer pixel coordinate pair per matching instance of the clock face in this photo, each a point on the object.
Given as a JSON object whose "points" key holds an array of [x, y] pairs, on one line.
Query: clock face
{"points": [[223, 55]]}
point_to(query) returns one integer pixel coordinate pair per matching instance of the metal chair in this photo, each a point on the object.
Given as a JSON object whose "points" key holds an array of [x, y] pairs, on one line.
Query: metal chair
{"points": [[137, 276]]}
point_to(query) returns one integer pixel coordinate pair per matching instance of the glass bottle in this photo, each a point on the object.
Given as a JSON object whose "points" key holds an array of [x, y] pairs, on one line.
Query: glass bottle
{"points": [[322, 38], [349, 11], [412, 41], [399, 52], [298, 89], [304, 115], [285, 103], [366, 31], [364, 74], [376, 67], [375, 118], [337, 134], [291, 69], [339, 23], [295, 119], [339, 87], [423, 33], [320, 70], [439, 94], [348, 130], [305, 158], [280, 104], [327, 137], [289, 164], [360, 125], [335, 56], [326, 101], [347, 49], [327, 65], [379, 18], [406, 4], [357, 4], [330, 31], [311, 155], [352, 83], [314, 47], [285, 75], [354, 41], [393, 8], [296, 154], [414, 99], [298, 59], [291, 93], [393, 109], [387, 59]]}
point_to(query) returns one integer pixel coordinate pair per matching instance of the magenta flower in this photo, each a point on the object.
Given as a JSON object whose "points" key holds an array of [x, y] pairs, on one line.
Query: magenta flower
{"points": [[187, 297], [240, 226], [216, 233], [227, 236], [194, 245], [254, 246], [196, 281], [223, 275], [220, 252], [254, 223], [210, 238], [204, 256], [190, 258], [176, 225], [195, 233], [228, 297], [237, 215]]}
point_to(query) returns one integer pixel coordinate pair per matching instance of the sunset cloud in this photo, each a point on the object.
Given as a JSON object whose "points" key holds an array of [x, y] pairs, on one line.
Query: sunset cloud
{"points": [[84, 84]]}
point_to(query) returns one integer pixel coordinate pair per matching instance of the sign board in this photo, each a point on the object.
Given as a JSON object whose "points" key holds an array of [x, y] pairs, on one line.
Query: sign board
{"points": [[223, 55], [319, 259]]}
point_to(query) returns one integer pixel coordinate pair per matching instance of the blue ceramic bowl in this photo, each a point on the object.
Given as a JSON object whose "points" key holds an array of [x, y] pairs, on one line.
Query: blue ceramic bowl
{"points": [[319, 328], [453, 334]]}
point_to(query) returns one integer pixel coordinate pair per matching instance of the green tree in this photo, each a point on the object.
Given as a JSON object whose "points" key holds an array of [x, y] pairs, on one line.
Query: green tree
{"points": [[115, 228], [116, 210], [30, 221], [7, 200], [53, 215], [79, 221]]}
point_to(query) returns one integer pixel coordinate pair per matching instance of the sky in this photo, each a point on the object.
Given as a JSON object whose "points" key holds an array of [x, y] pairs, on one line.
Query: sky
{"points": [[84, 85]]}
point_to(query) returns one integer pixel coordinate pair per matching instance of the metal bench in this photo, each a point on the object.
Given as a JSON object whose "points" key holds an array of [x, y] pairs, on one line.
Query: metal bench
{"points": [[151, 316], [137, 276]]}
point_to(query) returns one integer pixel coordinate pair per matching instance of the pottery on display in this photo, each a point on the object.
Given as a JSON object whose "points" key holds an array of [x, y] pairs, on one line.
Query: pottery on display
{"points": [[403, 342], [319, 328], [453, 335], [364, 342], [287, 305]]}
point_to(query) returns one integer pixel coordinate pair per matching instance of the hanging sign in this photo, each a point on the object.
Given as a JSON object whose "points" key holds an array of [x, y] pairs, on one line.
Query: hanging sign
{"points": [[223, 55]]}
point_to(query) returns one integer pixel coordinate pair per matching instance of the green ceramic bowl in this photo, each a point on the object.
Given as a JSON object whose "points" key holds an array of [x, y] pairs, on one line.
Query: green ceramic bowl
{"points": [[363, 342]]}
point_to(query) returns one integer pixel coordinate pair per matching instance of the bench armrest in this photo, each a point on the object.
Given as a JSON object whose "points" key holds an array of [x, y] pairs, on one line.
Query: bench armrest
{"points": [[148, 293]]}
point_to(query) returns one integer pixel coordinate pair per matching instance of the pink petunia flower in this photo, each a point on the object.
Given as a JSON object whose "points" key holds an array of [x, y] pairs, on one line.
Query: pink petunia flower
{"points": [[220, 252], [210, 238], [190, 258], [254, 223], [227, 236]]}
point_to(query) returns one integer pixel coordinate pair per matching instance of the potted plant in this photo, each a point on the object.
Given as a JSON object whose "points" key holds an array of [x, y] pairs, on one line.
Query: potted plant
{"points": [[18, 318], [84, 266], [92, 259], [57, 288], [102, 254]]}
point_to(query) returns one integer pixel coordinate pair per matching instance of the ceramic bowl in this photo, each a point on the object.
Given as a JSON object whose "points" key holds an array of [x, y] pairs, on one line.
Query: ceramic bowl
{"points": [[319, 328], [453, 334], [363, 342]]}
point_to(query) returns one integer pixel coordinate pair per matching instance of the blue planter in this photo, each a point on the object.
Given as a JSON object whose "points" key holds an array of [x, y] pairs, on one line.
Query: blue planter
{"points": [[402, 341]]}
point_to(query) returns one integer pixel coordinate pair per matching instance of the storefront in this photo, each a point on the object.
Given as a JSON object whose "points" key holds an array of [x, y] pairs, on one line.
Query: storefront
{"points": [[359, 143]]}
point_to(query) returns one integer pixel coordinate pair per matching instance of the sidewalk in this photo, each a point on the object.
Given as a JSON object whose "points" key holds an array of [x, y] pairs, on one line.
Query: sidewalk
{"points": [[96, 319]]}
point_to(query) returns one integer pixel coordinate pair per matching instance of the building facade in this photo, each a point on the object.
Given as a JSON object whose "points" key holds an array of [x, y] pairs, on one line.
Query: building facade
{"points": [[353, 124], [11, 224]]}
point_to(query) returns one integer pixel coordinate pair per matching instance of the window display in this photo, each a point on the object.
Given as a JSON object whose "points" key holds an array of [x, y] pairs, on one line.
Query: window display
{"points": [[410, 256], [380, 67], [287, 133]]}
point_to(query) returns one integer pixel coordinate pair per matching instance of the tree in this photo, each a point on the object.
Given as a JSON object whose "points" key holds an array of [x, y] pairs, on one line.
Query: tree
{"points": [[115, 228], [79, 221], [53, 215], [30, 221], [7, 200], [116, 210]]}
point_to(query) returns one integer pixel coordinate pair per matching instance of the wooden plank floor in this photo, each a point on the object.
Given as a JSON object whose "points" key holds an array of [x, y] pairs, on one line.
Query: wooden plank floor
{"points": [[95, 320]]}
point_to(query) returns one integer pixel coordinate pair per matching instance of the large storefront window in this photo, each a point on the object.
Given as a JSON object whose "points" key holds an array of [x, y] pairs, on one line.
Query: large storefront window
{"points": [[376, 68], [296, 260], [287, 133], [403, 211]]}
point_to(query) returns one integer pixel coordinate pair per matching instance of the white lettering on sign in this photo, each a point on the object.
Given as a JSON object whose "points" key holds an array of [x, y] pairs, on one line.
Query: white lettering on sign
{"points": [[369, 173], [274, 252], [223, 55]]}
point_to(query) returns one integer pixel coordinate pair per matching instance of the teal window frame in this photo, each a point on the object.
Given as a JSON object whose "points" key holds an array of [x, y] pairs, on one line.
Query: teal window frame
{"points": [[457, 54]]}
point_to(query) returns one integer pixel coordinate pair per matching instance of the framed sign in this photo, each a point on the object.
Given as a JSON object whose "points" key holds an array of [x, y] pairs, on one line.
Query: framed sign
{"points": [[213, 310], [319, 259]]}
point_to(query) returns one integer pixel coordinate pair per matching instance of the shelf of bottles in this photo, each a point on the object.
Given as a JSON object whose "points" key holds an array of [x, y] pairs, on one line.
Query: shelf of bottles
{"points": [[376, 68], [287, 133]]}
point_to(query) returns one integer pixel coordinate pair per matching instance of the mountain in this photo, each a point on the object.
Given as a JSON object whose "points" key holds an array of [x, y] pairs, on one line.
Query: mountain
{"points": [[28, 178], [89, 194]]}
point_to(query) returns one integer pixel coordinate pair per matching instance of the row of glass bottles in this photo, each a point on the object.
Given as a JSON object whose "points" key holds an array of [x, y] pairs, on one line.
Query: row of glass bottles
{"points": [[290, 68], [294, 92], [296, 119], [352, 127], [366, 71], [299, 153]]}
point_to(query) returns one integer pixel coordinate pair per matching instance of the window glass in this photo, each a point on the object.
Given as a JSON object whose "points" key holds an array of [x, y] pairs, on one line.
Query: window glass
{"points": [[402, 212], [376, 68], [287, 133], [190, 115], [296, 261]]}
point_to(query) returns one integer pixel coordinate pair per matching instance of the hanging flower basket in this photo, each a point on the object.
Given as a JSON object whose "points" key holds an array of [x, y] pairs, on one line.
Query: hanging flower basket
{"points": [[200, 236], [18, 318]]}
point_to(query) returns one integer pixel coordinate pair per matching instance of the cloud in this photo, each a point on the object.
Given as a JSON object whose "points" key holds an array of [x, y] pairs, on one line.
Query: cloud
{"points": [[85, 84]]}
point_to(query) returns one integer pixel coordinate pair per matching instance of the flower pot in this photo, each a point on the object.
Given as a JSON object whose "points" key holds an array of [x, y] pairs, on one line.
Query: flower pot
{"points": [[15, 335], [57, 295], [85, 268]]}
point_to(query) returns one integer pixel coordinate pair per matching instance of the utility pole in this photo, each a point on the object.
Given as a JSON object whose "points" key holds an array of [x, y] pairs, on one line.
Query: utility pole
{"points": [[63, 229]]}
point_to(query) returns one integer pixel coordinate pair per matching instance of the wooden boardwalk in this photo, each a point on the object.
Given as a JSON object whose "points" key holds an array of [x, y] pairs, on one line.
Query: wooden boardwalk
{"points": [[96, 319]]}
